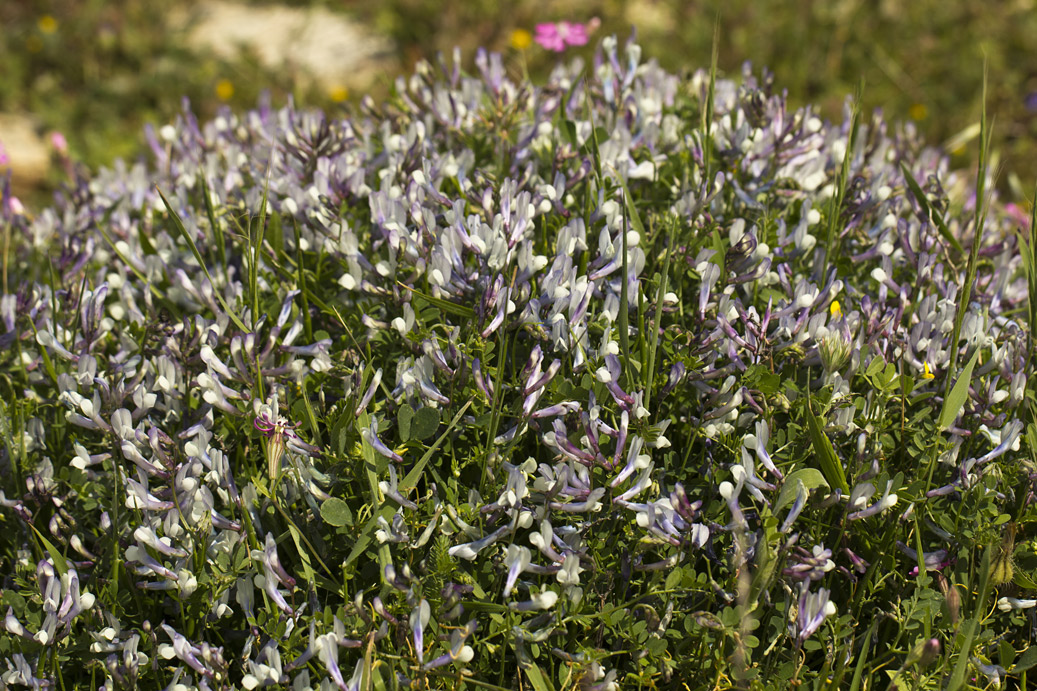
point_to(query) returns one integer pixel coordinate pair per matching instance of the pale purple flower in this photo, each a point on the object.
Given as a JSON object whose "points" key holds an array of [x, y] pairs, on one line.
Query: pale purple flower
{"points": [[934, 560], [471, 549], [391, 490], [370, 435], [814, 608], [369, 394], [516, 559], [419, 618]]}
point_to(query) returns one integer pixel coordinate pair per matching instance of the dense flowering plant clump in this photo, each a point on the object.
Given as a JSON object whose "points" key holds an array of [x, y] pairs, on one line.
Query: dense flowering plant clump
{"points": [[625, 380]]}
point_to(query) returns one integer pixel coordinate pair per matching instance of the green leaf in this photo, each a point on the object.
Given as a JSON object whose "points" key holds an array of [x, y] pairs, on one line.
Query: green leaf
{"points": [[825, 453], [569, 130], [179, 225], [930, 213], [58, 558], [538, 679], [425, 423], [1024, 581], [1027, 660], [336, 512], [955, 400], [403, 419], [635, 218], [445, 305], [807, 478], [304, 556]]}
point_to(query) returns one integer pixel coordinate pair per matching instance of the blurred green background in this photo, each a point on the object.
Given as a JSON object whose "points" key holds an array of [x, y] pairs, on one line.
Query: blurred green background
{"points": [[97, 70]]}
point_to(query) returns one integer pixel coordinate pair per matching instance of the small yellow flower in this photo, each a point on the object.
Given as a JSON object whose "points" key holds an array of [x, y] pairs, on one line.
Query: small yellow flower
{"points": [[338, 93], [521, 39], [918, 112], [224, 90], [836, 310], [47, 24], [926, 372]]}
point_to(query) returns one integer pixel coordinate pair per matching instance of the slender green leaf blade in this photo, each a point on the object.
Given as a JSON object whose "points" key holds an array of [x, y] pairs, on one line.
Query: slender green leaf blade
{"points": [[831, 467], [56, 556], [930, 213], [537, 678], [182, 230], [955, 400], [449, 307]]}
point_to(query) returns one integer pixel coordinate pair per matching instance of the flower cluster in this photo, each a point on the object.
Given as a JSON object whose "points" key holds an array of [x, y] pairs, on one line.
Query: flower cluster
{"points": [[639, 357]]}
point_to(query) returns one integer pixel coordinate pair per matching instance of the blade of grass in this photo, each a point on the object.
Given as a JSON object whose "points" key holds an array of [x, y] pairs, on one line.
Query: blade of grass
{"points": [[958, 676], [836, 205], [831, 468], [59, 559], [707, 110], [256, 247], [659, 295], [959, 393], [931, 214], [179, 226], [631, 217], [1030, 263], [217, 229], [445, 305], [965, 294], [301, 281]]}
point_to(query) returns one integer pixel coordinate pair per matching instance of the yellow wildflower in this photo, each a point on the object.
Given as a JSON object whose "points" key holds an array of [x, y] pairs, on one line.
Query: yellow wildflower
{"points": [[521, 39], [926, 372], [918, 112], [836, 310], [47, 24], [224, 89], [338, 93]]}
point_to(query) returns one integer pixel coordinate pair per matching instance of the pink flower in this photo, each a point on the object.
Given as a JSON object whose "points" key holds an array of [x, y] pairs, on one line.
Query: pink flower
{"points": [[58, 141], [4, 160], [558, 35]]}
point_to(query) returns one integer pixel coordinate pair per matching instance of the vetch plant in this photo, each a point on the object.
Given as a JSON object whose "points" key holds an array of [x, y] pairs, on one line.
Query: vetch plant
{"points": [[625, 379]]}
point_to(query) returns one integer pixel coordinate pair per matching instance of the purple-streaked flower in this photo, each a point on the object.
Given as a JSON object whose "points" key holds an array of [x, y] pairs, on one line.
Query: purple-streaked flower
{"points": [[390, 489], [459, 651], [419, 618], [470, 550], [275, 428], [370, 435], [812, 565], [814, 608], [516, 559], [934, 560]]}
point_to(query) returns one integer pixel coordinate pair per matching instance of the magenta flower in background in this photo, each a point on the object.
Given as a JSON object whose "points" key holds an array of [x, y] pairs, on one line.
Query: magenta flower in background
{"points": [[58, 141], [4, 160], [556, 36]]}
